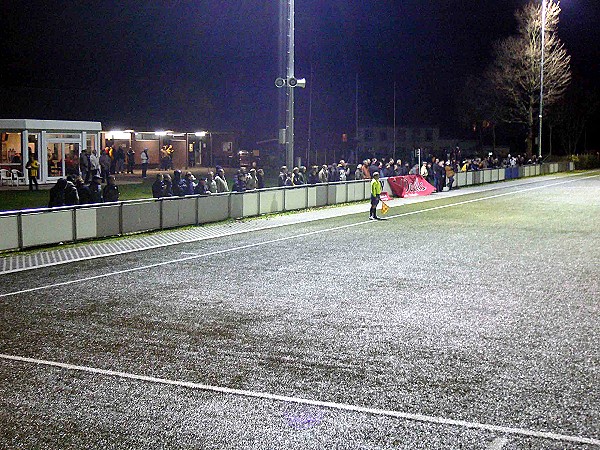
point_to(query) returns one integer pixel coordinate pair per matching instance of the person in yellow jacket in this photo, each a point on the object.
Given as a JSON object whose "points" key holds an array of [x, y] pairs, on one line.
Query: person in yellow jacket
{"points": [[375, 193], [32, 167], [449, 175]]}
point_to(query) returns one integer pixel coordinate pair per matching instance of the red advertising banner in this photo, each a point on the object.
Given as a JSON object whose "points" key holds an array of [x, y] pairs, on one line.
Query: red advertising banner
{"points": [[409, 186]]}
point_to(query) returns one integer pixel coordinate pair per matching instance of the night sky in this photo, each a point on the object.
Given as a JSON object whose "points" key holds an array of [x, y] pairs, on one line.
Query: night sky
{"points": [[208, 64]]}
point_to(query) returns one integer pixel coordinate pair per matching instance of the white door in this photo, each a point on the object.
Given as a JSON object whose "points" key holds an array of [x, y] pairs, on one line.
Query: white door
{"points": [[62, 159]]}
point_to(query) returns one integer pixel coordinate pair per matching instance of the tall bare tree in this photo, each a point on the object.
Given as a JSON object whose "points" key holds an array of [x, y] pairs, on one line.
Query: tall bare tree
{"points": [[515, 72]]}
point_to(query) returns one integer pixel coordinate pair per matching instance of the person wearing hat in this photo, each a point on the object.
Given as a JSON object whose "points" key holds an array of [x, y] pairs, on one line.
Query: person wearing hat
{"points": [[283, 175], [111, 190], [375, 195], [96, 190]]}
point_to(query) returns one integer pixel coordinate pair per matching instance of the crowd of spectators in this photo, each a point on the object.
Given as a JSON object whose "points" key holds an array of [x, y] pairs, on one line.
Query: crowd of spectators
{"points": [[74, 191], [84, 186], [87, 188], [179, 184]]}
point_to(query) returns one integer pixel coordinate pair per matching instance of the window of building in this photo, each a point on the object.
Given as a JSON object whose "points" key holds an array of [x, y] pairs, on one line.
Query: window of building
{"points": [[10, 153], [63, 136], [91, 143]]}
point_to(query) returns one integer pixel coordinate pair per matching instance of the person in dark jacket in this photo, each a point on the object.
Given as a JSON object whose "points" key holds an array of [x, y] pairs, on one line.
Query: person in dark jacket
{"points": [[239, 182], [85, 195], [71, 195], [96, 189], [130, 160], [437, 174], [202, 187], [313, 176], [158, 187], [334, 173], [168, 191], [297, 178], [283, 175], [260, 179], [57, 193], [64, 193], [187, 185], [120, 160], [177, 183], [111, 190]]}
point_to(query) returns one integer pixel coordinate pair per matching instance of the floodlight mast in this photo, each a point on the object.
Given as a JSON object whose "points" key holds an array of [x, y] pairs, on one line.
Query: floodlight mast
{"points": [[289, 126], [290, 82], [543, 33]]}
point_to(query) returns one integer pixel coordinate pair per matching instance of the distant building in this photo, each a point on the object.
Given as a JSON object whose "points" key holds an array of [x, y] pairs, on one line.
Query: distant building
{"points": [[202, 148], [379, 141], [55, 143]]}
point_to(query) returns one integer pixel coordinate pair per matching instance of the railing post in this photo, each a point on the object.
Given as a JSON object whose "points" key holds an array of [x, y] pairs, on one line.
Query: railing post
{"points": [[259, 196], [306, 188], [284, 190], [229, 205], [160, 212], [20, 230], [121, 218], [74, 223]]}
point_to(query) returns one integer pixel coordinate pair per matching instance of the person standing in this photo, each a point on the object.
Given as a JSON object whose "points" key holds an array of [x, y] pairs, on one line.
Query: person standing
{"points": [[375, 195], [283, 172], [105, 166], [130, 160], [260, 179], [211, 184], [144, 159], [323, 174], [96, 189], [94, 165], [437, 174], [424, 171], [158, 187], [251, 180], [84, 164], [449, 175], [111, 190], [32, 171], [83, 191], [222, 185]]}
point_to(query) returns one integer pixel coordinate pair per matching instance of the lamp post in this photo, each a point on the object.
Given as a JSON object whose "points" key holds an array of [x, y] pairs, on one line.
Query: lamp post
{"points": [[290, 83], [543, 32]]}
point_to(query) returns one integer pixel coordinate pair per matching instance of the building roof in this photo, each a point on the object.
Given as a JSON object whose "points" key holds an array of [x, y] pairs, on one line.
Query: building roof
{"points": [[48, 125]]}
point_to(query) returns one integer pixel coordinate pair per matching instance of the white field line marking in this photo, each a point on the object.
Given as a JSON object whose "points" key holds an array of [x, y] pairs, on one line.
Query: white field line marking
{"points": [[282, 239], [497, 444], [266, 227], [318, 403]]}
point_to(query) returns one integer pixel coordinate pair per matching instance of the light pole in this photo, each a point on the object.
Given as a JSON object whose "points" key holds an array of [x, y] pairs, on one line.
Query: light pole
{"points": [[543, 32], [290, 83]]}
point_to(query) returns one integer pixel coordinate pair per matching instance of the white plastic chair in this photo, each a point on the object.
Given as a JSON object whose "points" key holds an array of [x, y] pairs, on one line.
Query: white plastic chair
{"points": [[5, 175], [17, 178]]}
